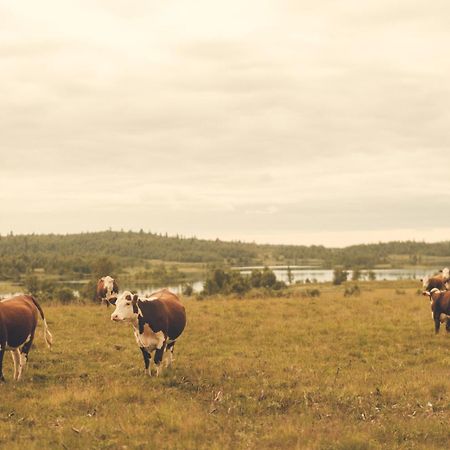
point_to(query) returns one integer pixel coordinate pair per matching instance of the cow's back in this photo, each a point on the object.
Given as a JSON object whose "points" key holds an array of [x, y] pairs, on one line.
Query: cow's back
{"points": [[167, 305], [443, 302], [18, 316], [177, 317]]}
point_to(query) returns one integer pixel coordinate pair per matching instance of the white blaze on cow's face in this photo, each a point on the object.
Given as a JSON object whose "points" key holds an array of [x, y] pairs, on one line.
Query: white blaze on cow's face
{"points": [[124, 308], [425, 281], [108, 284], [446, 272]]}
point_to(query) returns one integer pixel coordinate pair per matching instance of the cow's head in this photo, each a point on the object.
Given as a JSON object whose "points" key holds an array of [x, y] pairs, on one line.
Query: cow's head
{"points": [[126, 308]]}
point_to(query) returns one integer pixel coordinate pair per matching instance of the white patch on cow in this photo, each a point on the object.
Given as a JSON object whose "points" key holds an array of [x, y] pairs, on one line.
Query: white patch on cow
{"points": [[149, 339], [446, 272], [425, 281], [16, 358], [168, 358]]}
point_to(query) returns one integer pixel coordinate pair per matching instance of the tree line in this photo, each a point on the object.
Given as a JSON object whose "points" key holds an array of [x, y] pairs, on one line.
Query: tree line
{"points": [[75, 255]]}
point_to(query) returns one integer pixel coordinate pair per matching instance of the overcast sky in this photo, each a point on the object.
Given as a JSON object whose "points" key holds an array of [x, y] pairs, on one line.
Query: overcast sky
{"points": [[280, 121]]}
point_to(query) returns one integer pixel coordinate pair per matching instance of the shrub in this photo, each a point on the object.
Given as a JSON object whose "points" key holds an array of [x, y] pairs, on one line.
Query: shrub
{"points": [[339, 276], [311, 293], [65, 295], [221, 281], [352, 291], [188, 290]]}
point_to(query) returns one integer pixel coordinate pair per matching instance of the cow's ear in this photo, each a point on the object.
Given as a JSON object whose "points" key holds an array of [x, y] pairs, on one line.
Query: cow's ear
{"points": [[112, 300], [135, 299]]}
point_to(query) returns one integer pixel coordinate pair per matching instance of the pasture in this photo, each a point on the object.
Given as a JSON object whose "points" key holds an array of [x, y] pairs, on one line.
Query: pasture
{"points": [[333, 372]]}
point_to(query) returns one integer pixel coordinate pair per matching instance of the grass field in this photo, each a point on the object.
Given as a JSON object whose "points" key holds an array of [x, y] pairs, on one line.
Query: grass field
{"points": [[323, 373]]}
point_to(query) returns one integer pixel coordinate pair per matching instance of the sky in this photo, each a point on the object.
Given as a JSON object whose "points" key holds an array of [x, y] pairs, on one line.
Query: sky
{"points": [[269, 121]]}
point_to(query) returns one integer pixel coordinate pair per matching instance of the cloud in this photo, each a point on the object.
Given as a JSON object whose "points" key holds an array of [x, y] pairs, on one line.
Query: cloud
{"points": [[225, 119]]}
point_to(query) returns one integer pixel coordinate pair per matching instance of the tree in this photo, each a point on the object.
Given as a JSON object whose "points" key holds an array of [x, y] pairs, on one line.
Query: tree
{"points": [[101, 267], [268, 278], [290, 275], [339, 276], [356, 274]]}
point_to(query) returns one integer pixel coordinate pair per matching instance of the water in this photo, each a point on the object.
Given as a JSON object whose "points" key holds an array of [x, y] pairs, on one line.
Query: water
{"points": [[145, 289], [299, 274]]}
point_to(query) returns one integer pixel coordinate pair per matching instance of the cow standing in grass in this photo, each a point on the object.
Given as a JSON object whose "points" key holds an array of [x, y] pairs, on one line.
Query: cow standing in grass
{"points": [[440, 308], [18, 320], [157, 322], [107, 290]]}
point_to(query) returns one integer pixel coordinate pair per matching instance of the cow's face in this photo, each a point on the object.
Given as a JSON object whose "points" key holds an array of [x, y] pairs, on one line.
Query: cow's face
{"points": [[126, 308], [424, 281]]}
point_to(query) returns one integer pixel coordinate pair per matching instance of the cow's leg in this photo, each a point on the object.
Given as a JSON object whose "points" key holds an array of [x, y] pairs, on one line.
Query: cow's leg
{"points": [[24, 355], [169, 352], [447, 326], [437, 323], [159, 354], [2, 352], [147, 360], [16, 359]]}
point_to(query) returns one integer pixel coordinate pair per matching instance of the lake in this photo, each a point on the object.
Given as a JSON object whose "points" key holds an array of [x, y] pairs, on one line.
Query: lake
{"points": [[300, 274]]}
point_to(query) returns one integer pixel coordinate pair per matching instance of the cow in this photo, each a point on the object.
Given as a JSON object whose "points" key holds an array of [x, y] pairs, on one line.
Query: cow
{"points": [[157, 323], [107, 290], [18, 320], [440, 308], [439, 281]]}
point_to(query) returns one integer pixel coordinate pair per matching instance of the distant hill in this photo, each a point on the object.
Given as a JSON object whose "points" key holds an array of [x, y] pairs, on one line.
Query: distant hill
{"points": [[76, 253]]}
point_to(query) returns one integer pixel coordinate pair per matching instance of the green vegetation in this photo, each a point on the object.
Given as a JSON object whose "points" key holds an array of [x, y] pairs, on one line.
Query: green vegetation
{"points": [[339, 276], [222, 281], [138, 255], [299, 372]]}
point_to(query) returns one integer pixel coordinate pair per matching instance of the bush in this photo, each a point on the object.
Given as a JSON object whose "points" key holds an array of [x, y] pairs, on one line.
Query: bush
{"points": [[352, 291], [65, 295], [311, 293], [221, 281], [188, 290], [339, 276], [356, 274]]}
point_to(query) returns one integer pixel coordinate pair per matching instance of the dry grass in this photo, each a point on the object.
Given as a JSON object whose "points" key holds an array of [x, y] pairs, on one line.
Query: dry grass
{"points": [[330, 372]]}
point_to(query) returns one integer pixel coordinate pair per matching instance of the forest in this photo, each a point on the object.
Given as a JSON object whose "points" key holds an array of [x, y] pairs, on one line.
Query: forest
{"points": [[78, 256]]}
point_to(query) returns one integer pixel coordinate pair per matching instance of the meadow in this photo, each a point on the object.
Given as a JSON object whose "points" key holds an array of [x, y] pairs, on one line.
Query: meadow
{"points": [[329, 372]]}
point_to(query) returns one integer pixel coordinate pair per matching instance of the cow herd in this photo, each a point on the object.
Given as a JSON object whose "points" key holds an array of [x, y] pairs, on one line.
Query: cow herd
{"points": [[157, 320]]}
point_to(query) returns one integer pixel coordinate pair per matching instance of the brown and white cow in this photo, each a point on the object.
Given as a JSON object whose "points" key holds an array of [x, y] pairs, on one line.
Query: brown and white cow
{"points": [[107, 290], [440, 308], [18, 320], [439, 281], [157, 323]]}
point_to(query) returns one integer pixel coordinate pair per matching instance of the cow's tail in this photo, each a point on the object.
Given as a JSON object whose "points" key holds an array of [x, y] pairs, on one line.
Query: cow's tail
{"points": [[47, 335]]}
